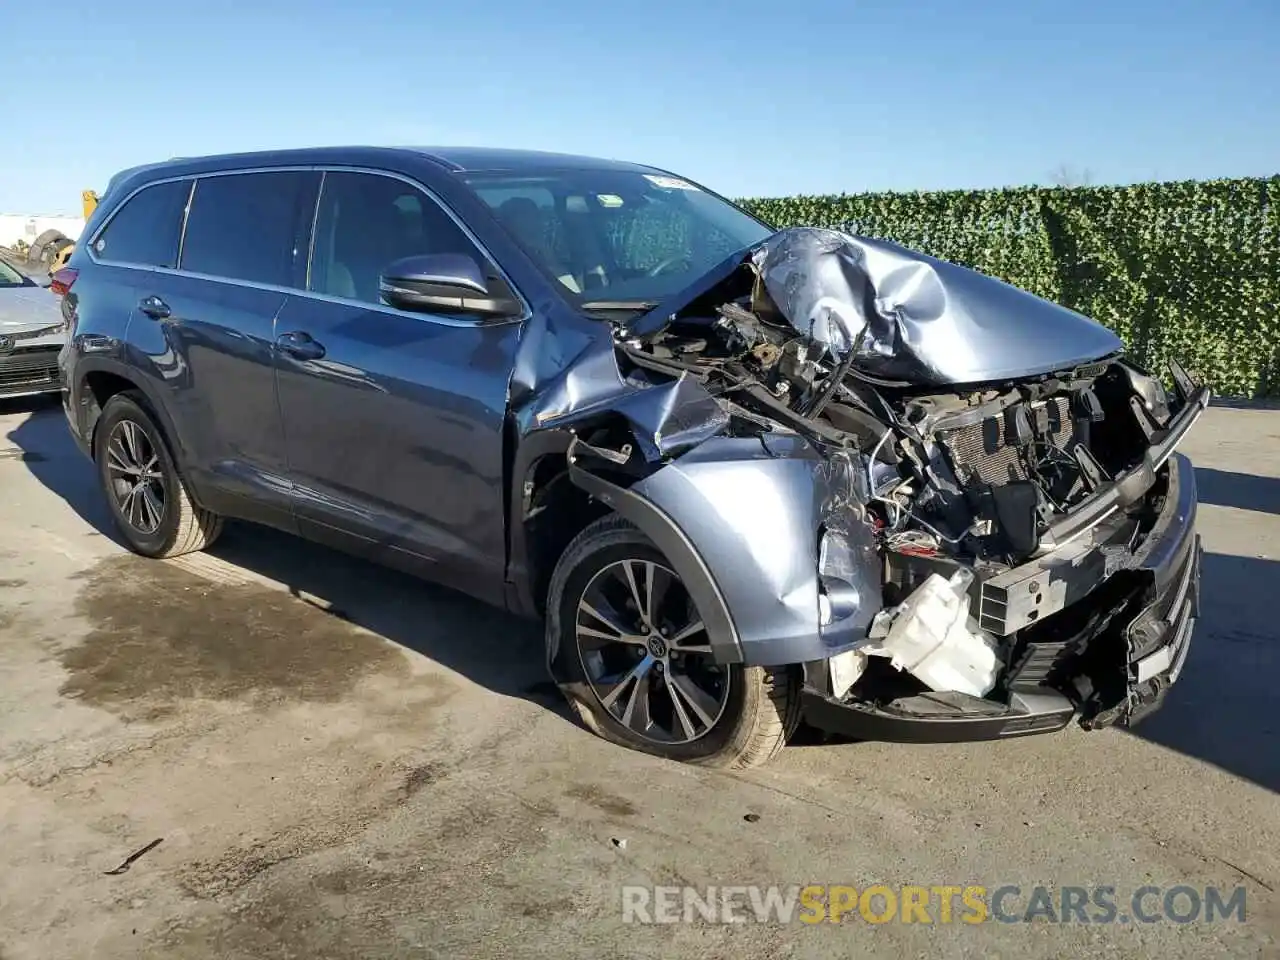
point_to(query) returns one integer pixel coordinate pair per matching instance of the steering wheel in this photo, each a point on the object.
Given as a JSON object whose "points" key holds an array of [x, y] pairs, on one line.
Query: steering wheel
{"points": [[663, 266]]}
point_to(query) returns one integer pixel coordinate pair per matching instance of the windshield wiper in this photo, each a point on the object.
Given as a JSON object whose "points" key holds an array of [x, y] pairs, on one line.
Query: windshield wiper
{"points": [[620, 305]]}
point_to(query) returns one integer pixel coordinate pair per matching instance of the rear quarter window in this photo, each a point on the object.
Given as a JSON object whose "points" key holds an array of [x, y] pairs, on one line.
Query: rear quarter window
{"points": [[250, 226], [146, 228]]}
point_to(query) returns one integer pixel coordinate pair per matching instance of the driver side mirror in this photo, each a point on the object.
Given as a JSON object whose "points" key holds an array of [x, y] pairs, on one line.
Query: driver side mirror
{"points": [[446, 283]]}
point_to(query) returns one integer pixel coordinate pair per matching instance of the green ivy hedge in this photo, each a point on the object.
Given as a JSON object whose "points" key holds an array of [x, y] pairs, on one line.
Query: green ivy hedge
{"points": [[1189, 270]]}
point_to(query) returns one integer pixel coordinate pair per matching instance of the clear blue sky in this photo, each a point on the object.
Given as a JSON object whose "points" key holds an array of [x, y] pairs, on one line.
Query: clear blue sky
{"points": [[752, 98]]}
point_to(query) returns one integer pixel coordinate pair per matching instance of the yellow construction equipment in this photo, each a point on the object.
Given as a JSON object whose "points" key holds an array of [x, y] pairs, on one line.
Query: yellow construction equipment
{"points": [[61, 252]]}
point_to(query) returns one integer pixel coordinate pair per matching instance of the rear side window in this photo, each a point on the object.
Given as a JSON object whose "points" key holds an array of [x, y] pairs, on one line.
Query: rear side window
{"points": [[246, 226], [145, 230], [366, 222]]}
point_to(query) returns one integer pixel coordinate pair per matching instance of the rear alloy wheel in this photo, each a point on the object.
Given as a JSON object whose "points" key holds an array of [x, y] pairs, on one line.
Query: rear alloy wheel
{"points": [[148, 500], [634, 656], [137, 486]]}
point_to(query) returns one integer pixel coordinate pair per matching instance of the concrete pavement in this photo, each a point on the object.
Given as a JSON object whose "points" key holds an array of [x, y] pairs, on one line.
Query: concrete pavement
{"points": [[345, 762]]}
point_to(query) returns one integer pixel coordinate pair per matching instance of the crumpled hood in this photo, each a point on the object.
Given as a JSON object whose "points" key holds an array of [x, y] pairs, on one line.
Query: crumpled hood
{"points": [[30, 310], [915, 318]]}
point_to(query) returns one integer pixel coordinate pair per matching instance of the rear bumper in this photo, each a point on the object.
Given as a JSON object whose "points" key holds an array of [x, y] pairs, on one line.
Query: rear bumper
{"points": [[1125, 667], [74, 399]]}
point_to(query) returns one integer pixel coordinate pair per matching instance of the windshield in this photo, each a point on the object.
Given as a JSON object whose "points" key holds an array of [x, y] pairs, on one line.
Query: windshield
{"points": [[9, 277], [617, 237]]}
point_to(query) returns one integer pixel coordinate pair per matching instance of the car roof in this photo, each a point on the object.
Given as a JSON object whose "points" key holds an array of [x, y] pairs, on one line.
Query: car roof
{"points": [[453, 159], [490, 159]]}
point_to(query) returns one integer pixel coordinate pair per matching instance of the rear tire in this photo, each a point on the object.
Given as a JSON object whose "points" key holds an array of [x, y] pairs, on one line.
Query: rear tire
{"points": [[148, 500], [658, 688]]}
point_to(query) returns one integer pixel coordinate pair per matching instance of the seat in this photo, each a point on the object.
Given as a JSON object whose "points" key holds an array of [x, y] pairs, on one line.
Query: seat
{"points": [[529, 225], [361, 254], [340, 283]]}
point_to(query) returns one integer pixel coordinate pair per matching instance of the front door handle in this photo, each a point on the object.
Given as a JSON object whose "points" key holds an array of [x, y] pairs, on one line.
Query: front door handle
{"points": [[299, 343], [154, 307]]}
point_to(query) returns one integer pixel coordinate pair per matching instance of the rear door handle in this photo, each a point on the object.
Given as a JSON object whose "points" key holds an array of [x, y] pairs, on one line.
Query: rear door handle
{"points": [[298, 343], [154, 307]]}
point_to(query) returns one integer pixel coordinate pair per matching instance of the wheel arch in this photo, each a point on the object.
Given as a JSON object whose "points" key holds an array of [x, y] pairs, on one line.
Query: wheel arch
{"points": [[545, 511], [180, 524], [553, 496], [100, 379], [684, 558]]}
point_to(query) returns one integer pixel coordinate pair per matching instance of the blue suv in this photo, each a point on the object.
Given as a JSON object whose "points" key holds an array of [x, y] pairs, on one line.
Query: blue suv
{"points": [[743, 474]]}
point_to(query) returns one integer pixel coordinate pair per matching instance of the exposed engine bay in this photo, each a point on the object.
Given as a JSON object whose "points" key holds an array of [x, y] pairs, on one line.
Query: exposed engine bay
{"points": [[969, 482], [980, 473]]}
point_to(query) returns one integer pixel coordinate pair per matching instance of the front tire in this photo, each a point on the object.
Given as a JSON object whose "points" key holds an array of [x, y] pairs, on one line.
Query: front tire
{"points": [[148, 500], [631, 654]]}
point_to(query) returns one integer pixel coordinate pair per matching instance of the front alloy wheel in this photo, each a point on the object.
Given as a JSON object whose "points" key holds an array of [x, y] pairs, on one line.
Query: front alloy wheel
{"points": [[646, 653], [632, 653]]}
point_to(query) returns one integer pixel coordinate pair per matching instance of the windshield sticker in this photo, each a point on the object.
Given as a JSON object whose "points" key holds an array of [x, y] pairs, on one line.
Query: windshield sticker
{"points": [[669, 183], [609, 199]]}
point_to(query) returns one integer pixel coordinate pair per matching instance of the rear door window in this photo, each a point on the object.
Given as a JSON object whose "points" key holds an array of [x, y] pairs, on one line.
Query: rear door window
{"points": [[146, 229], [250, 226], [365, 222]]}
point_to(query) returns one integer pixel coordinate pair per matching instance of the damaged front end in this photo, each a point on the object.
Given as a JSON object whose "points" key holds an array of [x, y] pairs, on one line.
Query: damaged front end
{"points": [[952, 504]]}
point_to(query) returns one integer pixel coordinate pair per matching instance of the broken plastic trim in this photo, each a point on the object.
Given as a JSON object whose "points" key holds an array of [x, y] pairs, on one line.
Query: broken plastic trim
{"points": [[1132, 486]]}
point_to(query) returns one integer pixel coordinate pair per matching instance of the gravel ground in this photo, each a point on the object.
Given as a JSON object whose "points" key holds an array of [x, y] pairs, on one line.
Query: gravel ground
{"points": [[344, 762]]}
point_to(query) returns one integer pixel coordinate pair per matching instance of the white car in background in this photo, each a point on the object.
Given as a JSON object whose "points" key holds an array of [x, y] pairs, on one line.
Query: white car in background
{"points": [[31, 334]]}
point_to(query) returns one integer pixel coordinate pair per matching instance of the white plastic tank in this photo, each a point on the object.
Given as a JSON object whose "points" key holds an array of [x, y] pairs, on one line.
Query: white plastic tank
{"points": [[932, 637]]}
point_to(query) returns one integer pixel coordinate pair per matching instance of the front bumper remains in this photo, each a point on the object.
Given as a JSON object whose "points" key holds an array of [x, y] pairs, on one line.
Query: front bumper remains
{"points": [[1130, 618]]}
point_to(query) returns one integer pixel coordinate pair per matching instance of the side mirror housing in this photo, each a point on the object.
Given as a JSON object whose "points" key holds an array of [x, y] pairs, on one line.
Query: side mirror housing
{"points": [[446, 283]]}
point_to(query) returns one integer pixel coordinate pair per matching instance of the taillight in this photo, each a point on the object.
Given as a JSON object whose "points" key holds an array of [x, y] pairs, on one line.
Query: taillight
{"points": [[62, 281]]}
